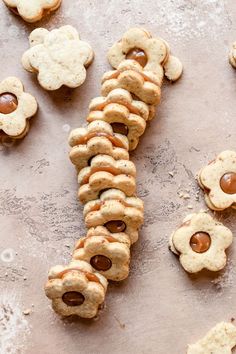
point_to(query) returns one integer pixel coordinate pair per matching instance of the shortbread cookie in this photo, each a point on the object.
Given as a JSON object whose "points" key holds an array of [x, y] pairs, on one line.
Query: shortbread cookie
{"points": [[132, 77], [107, 254], [58, 57], [232, 55], [106, 163], [116, 217], [124, 98], [16, 108], [218, 179], [100, 181], [97, 138], [122, 121], [219, 340], [76, 289], [33, 10], [201, 242], [151, 53]]}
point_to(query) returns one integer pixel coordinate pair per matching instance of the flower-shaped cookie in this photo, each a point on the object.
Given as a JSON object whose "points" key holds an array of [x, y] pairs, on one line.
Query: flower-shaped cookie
{"points": [[102, 180], [122, 121], [219, 340], [33, 10], [201, 242], [106, 163], [76, 289], [59, 57], [232, 55], [218, 179], [16, 107], [117, 217], [107, 254], [132, 77], [124, 98], [97, 138], [151, 53]]}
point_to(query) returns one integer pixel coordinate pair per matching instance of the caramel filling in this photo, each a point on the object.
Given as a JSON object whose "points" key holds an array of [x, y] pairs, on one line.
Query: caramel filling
{"points": [[115, 226], [200, 242], [73, 298], [138, 55], [113, 139], [89, 276], [120, 128], [8, 103], [101, 263], [228, 183]]}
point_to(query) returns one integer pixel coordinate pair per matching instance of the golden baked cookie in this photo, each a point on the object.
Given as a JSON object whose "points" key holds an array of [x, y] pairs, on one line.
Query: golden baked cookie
{"points": [[16, 108], [32, 10], [97, 138], [218, 180], [200, 242], [76, 289], [58, 57]]}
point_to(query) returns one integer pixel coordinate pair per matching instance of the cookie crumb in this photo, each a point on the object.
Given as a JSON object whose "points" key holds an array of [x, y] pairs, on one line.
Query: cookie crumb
{"points": [[27, 312], [171, 173]]}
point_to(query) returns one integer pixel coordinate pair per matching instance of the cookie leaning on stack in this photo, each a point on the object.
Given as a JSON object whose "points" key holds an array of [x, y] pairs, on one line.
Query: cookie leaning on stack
{"points": [[107, 178]]}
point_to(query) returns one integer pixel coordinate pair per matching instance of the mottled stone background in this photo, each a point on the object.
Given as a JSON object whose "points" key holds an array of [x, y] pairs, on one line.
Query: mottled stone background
{"points": [[159, 308]]}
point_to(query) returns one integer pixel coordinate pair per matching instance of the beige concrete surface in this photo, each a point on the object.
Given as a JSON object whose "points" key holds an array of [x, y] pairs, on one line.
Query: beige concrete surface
{"points": [[159, 308]]}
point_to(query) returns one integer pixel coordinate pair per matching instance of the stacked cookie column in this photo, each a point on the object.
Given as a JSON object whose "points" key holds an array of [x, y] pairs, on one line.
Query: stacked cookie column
{"points": [[107, 178]]}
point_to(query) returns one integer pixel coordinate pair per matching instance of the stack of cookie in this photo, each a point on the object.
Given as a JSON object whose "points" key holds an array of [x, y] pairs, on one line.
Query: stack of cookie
{"points": [[107, 178]]}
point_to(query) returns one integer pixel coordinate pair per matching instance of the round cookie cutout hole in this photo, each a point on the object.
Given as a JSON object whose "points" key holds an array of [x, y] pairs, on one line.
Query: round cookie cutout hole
{"points": [[115, 226], [228, 183], [101, 263], [120, 128], [138, 55], [73, 298], [200, 242], [8, 103]]}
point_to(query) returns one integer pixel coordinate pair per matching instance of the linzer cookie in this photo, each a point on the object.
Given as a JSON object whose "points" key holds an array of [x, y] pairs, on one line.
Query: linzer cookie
{"points": [[107, 253], [117, 216], [124, 98], [76, 289], [218, 180], [200, 242], [16, 108], [58, 57], [97, 138], [219, 340], [32, 10], [122, 122], [153, 54], [131, 76]]}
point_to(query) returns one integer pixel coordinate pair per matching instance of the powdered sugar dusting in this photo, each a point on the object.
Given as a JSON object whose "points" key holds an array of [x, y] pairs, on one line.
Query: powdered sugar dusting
{"points": [[14, 328]]}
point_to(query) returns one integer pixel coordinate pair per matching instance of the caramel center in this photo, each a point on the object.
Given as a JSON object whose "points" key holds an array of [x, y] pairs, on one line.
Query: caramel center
{"points": [[200, 242], [100, 263], [228, 183], [137, 54], [120, 128], [8, 103], [115, 226], [73, 298]]}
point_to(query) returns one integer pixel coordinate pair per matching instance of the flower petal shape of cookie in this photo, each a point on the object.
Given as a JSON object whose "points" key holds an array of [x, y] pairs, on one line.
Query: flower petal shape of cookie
{"points": [[218, 179], [59, 57], [108, 255], [221, 339], [33, 10], [201, 242], [16, 108], [131, 77], [76, 289], [116, 217], [106, 163], [124, 98], [97, 138], [122, 121]]}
